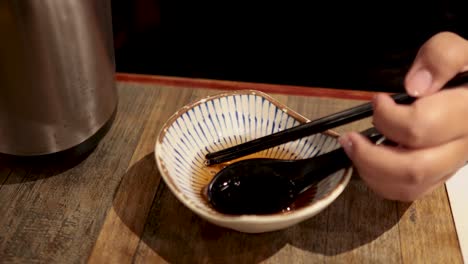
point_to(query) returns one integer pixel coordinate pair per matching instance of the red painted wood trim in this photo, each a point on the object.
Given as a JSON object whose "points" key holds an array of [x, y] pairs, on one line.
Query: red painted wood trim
{"points": [[183, 82]]}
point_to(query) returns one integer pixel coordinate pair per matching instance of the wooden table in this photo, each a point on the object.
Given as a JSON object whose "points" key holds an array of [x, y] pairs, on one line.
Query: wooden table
{"points": [[113, 206]]}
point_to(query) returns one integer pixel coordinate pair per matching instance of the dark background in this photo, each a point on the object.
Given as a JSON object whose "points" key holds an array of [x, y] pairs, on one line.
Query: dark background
{"points": [[350, 45]]}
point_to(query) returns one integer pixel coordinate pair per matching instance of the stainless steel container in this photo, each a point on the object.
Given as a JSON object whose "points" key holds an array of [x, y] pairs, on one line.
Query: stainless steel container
{"points": [[57, 87]]}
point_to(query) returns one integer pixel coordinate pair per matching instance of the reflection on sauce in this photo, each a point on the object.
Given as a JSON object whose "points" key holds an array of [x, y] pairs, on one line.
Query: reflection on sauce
{"points": [[302, 200]]}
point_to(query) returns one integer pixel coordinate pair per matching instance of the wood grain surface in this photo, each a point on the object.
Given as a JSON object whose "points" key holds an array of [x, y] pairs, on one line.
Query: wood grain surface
{"points": [[113, 206]]}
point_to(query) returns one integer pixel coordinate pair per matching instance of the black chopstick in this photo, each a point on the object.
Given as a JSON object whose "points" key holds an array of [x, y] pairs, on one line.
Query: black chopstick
{"points": [[310, 128]]}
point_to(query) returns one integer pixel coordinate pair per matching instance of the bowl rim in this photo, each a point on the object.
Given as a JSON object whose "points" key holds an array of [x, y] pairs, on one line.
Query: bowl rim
{"points": [[297, 214]]}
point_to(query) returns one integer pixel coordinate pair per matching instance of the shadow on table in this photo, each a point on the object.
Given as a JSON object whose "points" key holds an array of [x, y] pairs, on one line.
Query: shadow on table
{"points": [[26, 169], [177, 235]]}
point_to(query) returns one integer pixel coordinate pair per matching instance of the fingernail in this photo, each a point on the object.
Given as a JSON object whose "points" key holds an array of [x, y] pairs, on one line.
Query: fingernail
{"points": [[346, 143], [419, 82]]}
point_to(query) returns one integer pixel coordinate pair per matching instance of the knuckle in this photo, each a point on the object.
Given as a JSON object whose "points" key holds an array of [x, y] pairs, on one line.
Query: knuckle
{"points": [[418, 126], [443, 48], [402, 194], [447, 56], [442, 39], [407, 195], [415, 173], [413, 135]]}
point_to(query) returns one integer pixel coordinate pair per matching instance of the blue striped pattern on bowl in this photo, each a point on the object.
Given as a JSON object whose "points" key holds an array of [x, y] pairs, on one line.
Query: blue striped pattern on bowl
{"points": [[228, 119]]}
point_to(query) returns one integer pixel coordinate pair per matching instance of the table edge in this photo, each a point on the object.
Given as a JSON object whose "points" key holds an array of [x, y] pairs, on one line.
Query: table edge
{"points": [[187, 82]]}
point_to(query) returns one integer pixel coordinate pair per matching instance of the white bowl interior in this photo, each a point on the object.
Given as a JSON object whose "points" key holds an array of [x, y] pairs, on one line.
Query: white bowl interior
{"points": [[229, 119]]}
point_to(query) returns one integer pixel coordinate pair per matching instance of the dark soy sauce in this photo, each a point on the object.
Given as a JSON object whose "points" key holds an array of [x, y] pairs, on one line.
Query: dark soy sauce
{"points": [[253, 197]]}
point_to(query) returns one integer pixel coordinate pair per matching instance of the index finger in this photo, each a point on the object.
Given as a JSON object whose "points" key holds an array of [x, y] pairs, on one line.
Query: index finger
{"points": [[410, 167], [429, 121]]}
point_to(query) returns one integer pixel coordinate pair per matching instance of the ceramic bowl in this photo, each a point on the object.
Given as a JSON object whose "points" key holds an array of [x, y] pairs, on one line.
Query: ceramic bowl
{"points": [[223, 120]]}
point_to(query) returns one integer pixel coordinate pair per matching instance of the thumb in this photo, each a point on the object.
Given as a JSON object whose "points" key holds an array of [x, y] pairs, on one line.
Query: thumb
{"points": [[438, 60], [355, 144]]}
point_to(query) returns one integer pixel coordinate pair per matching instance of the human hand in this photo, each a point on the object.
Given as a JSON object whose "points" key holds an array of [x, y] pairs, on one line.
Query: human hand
{"points": [[432, 133]]}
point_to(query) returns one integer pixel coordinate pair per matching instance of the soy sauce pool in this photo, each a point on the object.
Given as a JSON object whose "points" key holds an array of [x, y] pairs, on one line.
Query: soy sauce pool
{"points": [[269, 187]]}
